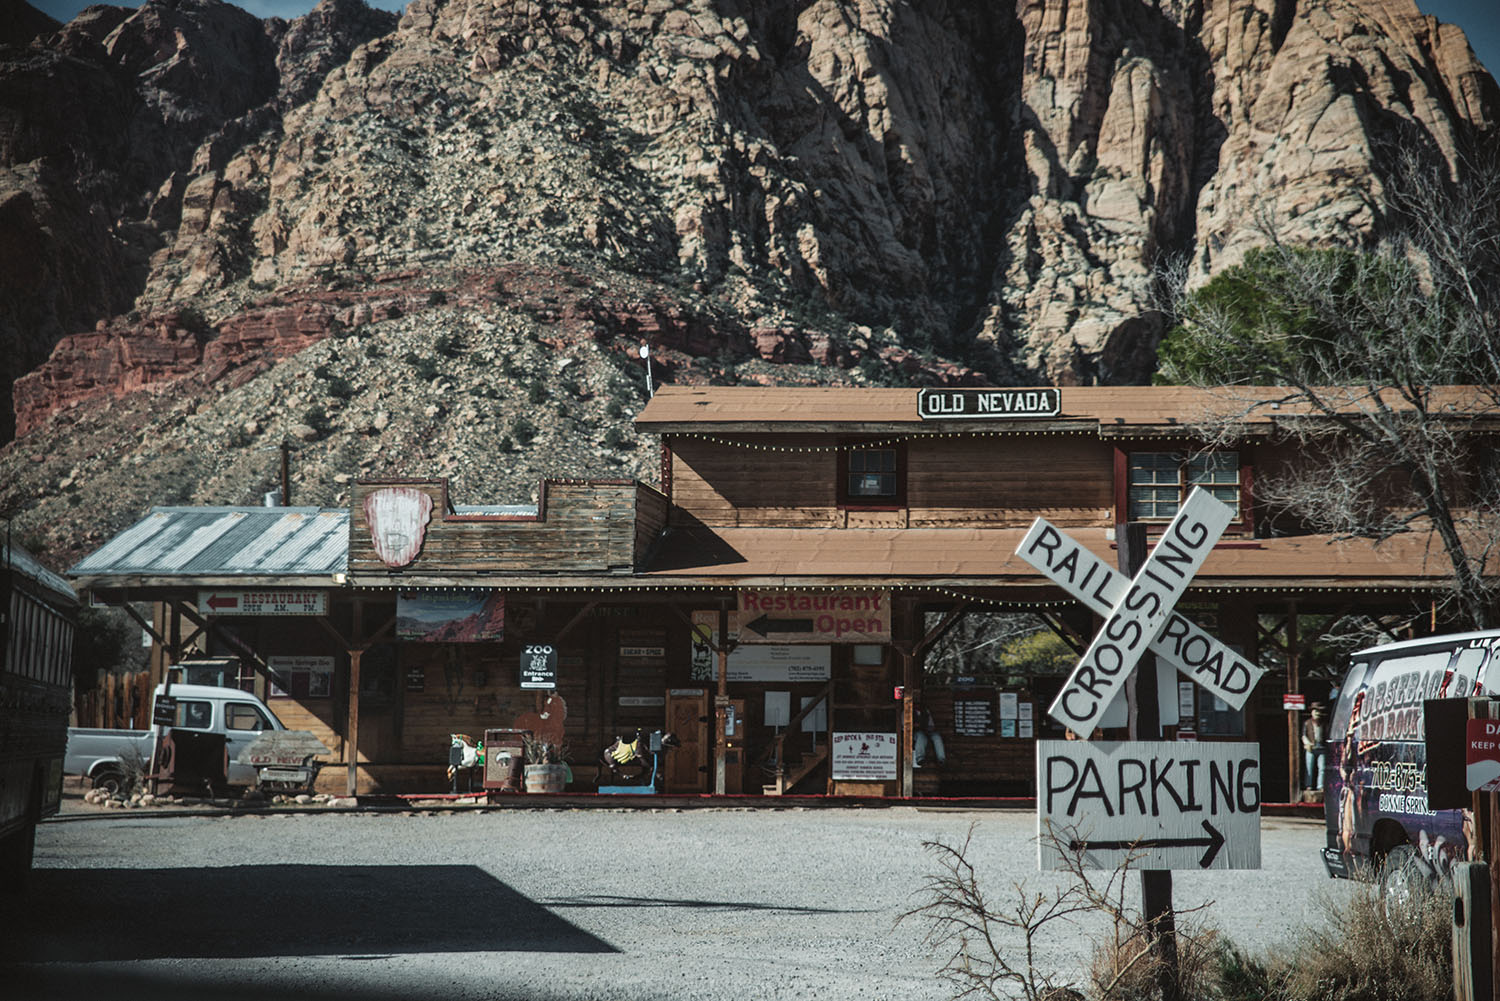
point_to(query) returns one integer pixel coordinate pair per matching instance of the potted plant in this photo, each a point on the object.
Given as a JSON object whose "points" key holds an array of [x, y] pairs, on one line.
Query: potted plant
{"points": [[546, 768]]}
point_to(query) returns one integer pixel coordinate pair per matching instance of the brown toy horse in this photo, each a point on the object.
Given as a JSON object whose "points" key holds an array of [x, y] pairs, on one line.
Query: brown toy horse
{"points": [[634, 754]]}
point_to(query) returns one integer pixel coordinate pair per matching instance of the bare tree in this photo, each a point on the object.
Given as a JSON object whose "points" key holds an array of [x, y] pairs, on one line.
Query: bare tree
{"points": [[995, 952], [1387, 362]]}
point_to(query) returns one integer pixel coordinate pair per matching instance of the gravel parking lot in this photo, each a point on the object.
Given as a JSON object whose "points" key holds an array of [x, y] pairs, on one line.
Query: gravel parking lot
{"points": [[547, 905]]}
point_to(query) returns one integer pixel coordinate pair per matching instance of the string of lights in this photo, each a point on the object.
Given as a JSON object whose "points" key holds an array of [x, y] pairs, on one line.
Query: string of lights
{"points": [[863, 444]]}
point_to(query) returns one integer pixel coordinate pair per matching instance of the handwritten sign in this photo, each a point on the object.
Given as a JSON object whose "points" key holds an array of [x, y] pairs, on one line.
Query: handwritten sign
{"points": [[1170, 805]]}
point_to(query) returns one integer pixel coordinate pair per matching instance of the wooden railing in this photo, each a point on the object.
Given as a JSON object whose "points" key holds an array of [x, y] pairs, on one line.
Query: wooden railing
{"points": [[776, 749]]}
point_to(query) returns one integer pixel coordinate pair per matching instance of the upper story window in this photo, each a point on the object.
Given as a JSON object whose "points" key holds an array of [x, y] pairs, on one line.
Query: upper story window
{"points": [[1161, 481], [872, 477], [872, 473]]}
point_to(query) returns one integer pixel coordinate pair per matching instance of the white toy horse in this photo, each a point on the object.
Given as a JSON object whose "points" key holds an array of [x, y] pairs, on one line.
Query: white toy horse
{"points": [[464, 754]]}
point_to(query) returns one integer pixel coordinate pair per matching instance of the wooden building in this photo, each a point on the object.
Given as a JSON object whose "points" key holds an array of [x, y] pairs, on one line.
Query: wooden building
{"points": [[832, 535]]}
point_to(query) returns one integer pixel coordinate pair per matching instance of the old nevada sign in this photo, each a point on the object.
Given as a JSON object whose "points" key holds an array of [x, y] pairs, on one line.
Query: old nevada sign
{"points": [[987, 404], [1167, 805], [1139, 614]]}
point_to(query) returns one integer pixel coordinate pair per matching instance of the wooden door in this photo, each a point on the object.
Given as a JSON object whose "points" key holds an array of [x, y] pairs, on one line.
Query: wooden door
{"points": [[686, 768]]}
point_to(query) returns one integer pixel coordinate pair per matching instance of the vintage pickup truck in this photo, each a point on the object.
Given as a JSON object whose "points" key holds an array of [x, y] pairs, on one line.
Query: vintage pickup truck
{"points": [[109, 756]]}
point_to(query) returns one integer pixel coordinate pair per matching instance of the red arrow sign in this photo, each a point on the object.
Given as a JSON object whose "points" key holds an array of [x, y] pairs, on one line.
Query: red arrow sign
{"points": [[218, 601]]}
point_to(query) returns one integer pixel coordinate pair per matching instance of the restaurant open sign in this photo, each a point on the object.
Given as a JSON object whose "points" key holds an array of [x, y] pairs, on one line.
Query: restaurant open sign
{"points": [[815, 617]]}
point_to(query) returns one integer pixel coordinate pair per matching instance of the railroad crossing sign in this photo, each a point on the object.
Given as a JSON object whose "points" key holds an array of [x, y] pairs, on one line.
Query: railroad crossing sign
{"points": [[1138, 617], [1174, 805], [1180, 643]]}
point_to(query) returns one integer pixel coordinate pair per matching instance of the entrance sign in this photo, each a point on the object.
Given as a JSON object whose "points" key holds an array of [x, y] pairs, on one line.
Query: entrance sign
{"points": [[538, 666], [815, 617], [1482, 759], [864, 756], [1141, 612], [1180, 644], [293, 602], [988, 404], [1171, 805]]}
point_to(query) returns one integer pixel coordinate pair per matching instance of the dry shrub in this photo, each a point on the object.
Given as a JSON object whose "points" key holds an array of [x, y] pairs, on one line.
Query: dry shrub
{"points": [[1125, 968], [1370, 950]]}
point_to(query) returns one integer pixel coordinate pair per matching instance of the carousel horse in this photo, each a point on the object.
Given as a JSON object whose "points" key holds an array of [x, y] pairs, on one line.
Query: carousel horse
{"points": [[634, 754], [464, 755]]}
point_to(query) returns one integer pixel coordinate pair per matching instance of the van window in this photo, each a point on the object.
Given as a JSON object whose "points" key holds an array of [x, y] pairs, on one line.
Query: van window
{"points": [[1468, 669], [1339, 725], [244, 716]]}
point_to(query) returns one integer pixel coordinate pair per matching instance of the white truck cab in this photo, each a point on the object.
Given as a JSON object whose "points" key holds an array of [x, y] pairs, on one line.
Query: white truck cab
{"points": [[106, 755]]}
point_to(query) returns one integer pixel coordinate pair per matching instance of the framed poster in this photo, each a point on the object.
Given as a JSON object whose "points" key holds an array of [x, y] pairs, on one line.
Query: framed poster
{"points": [[302, 677], [450, 616], [864, 756]]}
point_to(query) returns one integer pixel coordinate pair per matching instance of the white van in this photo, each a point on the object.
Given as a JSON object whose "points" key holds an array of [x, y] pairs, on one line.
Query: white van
{"points": [[1375, 796]]}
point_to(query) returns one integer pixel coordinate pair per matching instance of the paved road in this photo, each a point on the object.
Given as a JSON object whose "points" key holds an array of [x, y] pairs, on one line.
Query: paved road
{"points": [[546, 905]]}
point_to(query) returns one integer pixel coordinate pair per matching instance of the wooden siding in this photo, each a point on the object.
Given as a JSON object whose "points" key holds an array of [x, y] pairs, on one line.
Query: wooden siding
{"points": [[651, 509], [728, 485], [587, 526], [1009, 481], [950, 482]]}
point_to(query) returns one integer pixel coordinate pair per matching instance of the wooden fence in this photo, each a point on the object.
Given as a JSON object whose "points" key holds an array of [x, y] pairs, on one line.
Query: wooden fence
{"points": [[120, 701]]}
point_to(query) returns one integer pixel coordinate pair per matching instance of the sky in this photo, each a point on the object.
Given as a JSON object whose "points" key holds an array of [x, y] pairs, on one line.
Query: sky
{"points": [[1477, 17]]}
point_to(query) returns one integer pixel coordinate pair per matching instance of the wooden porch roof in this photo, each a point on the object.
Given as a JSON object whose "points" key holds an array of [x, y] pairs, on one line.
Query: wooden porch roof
{"points": [[1105, 409], [986, 557]]}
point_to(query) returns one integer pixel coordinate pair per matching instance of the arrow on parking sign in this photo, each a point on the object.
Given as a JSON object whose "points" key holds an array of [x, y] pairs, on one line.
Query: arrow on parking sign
{"points": [[1213, 842]]}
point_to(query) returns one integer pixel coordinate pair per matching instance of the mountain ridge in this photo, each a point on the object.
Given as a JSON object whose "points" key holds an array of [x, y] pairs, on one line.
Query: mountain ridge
{"points": [[445, 236]]}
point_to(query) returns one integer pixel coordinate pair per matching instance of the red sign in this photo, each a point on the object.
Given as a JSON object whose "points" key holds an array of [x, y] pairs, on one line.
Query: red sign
{"points": [[781, 617], [1482, 757], [1293, 700]]}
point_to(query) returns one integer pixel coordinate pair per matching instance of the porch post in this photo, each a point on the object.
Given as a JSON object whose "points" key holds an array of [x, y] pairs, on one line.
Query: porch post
{"points": [[721, 707], [351, 741], [1293, 717]]}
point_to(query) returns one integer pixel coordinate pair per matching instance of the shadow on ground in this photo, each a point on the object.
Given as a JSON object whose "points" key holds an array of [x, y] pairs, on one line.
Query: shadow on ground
{"points": [[94, 915]]}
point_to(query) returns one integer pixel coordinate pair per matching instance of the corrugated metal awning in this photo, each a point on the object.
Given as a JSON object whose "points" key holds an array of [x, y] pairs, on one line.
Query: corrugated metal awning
{"points": [[211, 542]]}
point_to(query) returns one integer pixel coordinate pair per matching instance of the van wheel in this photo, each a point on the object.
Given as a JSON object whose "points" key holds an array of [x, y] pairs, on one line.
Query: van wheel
{"points": [[1405, 880], [110, 780]]}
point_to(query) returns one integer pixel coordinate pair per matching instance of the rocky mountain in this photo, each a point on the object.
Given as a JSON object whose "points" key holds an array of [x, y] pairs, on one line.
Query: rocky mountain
{"points": [[434, 245]]}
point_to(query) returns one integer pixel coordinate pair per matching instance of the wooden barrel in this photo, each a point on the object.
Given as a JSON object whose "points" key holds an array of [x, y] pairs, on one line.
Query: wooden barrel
{"points": [[546, 778]]}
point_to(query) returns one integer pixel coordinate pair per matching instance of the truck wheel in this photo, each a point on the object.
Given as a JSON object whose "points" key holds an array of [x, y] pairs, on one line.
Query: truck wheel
{"points": [[1405, 880], [111, 780]]}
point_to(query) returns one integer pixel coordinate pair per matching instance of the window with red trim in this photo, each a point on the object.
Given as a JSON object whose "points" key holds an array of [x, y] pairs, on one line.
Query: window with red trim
{"points": [[1159, 482]]}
